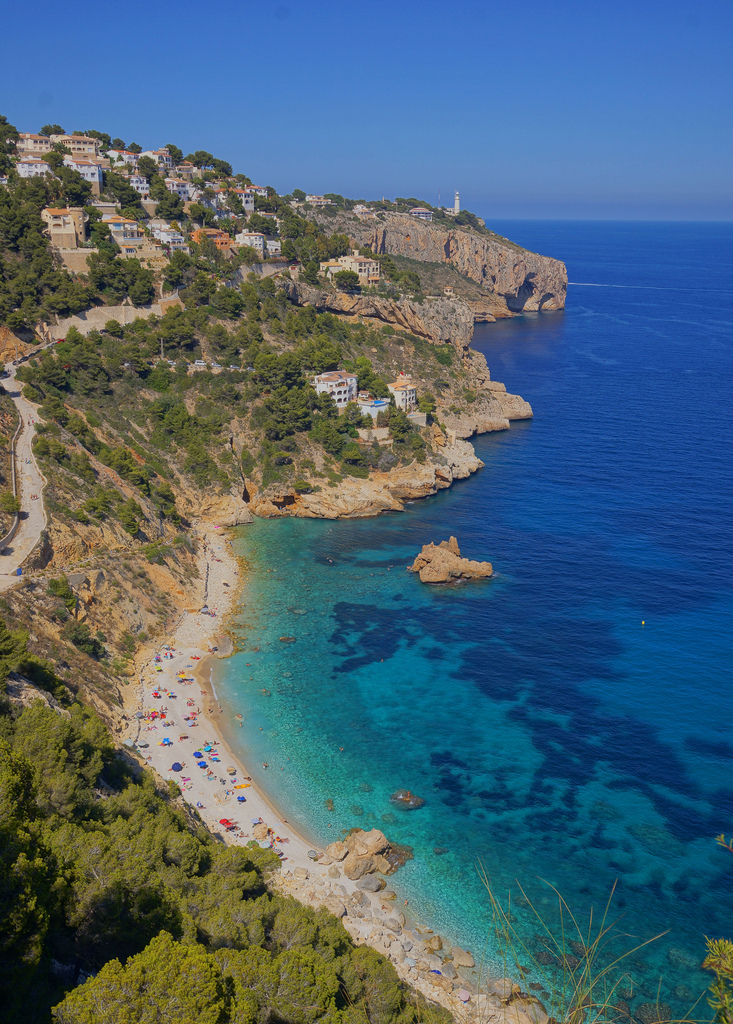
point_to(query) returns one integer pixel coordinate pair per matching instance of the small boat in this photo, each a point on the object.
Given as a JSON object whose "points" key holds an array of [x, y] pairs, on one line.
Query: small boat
{"points": [[287, 639], [242, 785]]}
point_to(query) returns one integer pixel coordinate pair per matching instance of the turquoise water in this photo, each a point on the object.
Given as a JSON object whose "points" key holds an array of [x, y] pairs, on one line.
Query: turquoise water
{"points": [[552, 735]]}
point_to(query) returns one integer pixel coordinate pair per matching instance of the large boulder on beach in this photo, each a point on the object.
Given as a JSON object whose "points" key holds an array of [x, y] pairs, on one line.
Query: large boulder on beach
{"points": [[461, 958], [362, 853], [370, 884], [337, 851], [357, 865], [442, 563]]}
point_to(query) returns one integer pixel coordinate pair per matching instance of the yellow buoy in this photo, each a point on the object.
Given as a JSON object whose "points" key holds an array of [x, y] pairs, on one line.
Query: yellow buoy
{"points": [[642, 622]]}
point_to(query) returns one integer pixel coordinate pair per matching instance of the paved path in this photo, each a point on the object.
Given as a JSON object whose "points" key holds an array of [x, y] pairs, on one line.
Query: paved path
{"points": [[30, 481]]}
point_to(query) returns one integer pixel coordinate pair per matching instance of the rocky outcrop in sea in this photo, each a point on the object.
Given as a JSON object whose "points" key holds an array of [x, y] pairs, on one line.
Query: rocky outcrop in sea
{"points": [[442, 563]]}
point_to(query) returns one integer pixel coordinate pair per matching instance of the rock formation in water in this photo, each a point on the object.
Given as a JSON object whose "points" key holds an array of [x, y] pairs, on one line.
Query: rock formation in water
{"points": [[441, 563], [362, 853]]}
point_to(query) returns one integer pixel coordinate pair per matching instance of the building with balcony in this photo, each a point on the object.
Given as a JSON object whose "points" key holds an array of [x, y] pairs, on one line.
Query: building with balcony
{"points": [[66, 226], [29, 143], [220, 238], [89, 170], [122, 156], [366, 267], [404, 393], [254, 239], [123, 229], [140, 184], [179, 188], [80, 145], [339, 384], [32, 167], [161, 156]]}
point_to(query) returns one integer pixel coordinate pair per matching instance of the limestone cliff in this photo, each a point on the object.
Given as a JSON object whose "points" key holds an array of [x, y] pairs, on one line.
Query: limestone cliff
{"points": [[382, 492], [514, 279], [437, 320]]}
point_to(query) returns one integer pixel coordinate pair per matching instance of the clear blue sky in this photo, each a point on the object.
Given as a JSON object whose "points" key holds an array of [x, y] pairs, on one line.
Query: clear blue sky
{"points": [[569, 108]]}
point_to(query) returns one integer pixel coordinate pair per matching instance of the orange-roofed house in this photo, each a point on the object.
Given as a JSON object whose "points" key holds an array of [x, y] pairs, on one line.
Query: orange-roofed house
{"points": [[123, 229], [65, 226], [220, 238], [80, 145], [404, 392]]}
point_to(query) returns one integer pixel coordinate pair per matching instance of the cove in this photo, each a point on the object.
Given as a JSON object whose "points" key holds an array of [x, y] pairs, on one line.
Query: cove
{"points": [[552, 735]]}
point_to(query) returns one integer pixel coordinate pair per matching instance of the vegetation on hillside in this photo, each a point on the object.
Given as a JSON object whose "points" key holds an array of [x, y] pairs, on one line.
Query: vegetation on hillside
{"points": [[111, 402], [99, 869]]}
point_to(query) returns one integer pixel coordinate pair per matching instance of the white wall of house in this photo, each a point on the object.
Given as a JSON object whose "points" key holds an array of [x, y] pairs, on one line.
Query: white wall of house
{"points": [[339, 384]]}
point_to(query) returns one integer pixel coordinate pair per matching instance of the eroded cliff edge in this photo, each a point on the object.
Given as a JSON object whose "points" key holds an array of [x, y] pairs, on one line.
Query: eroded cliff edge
{"points": [[514, 279]]}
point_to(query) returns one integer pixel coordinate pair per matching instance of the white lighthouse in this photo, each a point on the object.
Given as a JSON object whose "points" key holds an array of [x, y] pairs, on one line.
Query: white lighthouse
{"points": [[457, 203]]}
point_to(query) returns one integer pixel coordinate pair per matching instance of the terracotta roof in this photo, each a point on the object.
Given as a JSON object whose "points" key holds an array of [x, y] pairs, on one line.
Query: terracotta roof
{"points": [[335, 375]]}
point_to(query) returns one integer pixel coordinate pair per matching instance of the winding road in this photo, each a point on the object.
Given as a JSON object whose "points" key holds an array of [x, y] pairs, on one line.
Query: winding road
{"points": [[30, 482]]}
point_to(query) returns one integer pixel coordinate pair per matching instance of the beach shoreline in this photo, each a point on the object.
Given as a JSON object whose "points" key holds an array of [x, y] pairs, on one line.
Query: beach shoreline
{"points": [[173, 710]]}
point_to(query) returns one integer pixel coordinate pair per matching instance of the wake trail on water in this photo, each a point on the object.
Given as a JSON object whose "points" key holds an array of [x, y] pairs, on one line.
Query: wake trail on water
{"points": [[644, 287]]}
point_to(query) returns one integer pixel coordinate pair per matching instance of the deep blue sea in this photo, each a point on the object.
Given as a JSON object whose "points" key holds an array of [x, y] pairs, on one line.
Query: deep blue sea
{"points": [[571, 719]]}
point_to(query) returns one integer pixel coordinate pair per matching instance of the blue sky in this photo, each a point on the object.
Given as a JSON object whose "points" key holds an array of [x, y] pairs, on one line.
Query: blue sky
{"points": [[545, 108]]}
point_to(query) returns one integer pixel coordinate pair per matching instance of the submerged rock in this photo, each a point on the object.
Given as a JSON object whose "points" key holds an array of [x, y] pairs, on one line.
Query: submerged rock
{"points": [[652, 1013], [406, 799], [442, 563], [397, 855]]}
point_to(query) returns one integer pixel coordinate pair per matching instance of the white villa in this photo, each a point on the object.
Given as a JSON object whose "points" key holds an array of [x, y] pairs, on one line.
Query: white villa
{"points": [[366, 267], [90, 171], [339, 384], [31, 167], [254, 239], [404, 393]]}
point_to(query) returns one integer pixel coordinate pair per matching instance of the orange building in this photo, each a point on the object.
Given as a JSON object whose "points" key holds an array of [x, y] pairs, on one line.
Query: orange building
{"points": [[220, 238]]}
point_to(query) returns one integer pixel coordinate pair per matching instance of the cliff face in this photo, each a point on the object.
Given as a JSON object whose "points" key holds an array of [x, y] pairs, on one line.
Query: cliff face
{"points": [[515, 279], [382, 492], [437, 320]]}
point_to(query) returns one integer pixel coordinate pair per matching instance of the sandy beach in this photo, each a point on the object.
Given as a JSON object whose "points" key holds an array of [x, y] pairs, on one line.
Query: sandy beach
{"points": [[175, 719]]}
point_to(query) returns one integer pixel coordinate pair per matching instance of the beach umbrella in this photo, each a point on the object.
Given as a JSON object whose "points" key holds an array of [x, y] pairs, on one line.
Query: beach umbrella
{"points": [[208, 747], [176, 767], [139, 714], [202, 764], [256, 821], [241, 799], [197, 753]]}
